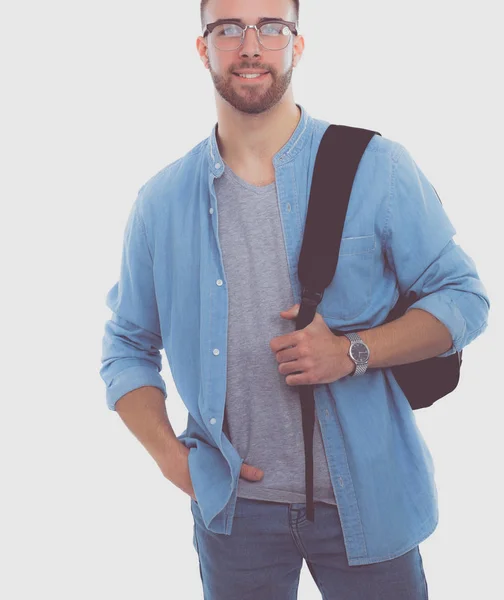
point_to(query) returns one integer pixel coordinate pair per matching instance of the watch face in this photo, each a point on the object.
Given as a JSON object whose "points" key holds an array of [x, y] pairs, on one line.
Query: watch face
{"points": [[359, 352]]}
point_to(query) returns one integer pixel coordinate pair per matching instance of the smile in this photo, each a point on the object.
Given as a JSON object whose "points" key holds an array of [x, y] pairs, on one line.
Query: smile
{"points": [[250, 77]]}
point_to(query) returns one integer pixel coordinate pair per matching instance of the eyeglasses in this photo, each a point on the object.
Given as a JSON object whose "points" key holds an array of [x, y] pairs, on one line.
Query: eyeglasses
{"points": [[230, 35]]}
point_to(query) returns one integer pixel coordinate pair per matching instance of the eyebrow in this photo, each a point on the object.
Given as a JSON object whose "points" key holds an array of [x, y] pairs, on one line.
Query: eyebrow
{"points": [[243, 22]]}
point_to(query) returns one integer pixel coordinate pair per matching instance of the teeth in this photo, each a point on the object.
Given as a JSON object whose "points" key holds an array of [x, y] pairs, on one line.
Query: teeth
{"points": [[251, 76]]}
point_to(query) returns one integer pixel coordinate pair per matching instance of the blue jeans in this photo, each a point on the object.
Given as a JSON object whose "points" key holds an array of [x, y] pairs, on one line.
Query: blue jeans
{"points": [[263, 556]]}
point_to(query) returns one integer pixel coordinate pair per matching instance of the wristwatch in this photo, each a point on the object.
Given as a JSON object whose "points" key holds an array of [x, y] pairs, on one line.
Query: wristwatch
{"points": [[359, 353]]}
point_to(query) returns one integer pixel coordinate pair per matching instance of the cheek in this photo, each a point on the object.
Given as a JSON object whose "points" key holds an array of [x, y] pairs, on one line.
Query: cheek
{"points": [[285, 63], [220, 61]]}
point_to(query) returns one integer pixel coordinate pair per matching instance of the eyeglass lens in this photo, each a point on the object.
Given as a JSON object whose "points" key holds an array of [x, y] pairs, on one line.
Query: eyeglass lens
{"points": [[273, 36]]}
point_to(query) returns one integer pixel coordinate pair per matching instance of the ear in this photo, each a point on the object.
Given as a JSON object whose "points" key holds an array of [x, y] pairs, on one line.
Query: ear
{"points": [[297, 50], [202, 49]]}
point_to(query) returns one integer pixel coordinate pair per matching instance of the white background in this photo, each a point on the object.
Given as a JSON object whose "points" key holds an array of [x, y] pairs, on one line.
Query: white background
{"points": [[98, 97]]}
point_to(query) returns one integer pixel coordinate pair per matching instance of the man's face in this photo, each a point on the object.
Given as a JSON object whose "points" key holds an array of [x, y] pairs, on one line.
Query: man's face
{"points": [[247, 95]]}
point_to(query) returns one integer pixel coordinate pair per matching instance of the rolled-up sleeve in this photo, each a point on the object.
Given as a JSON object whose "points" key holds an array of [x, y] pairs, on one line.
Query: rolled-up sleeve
{"points": [[132, 343], [419, 247]]}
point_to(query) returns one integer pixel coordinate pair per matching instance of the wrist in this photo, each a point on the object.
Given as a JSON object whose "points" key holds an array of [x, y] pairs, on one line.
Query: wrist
{"points": [[350, 366], [172, 460]]}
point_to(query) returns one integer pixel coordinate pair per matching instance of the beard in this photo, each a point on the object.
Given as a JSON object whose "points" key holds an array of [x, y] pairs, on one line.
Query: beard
{"points": [[252, 99]]}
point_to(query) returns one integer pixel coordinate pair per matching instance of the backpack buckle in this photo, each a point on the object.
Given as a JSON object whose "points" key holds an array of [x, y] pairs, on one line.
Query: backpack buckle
{"points": [[310, 297]]}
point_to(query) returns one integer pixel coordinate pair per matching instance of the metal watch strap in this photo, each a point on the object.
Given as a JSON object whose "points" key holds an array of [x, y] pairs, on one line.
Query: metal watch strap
{"points": [[353, 337]]}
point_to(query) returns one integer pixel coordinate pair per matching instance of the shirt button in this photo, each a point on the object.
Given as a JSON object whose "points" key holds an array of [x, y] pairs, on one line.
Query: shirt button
{"points": [[213, 421], [217, 165], [219, 282], [288, 207], [211, 211], [216, 352], [326, 413], [340, 481]]}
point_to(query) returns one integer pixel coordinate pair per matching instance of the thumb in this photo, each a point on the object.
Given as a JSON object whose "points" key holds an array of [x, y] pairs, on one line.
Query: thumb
{"points": [[251, 473], [293, 311]]}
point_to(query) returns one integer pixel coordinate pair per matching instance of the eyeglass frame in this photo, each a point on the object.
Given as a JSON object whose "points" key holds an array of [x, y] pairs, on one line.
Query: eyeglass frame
{"points": [[290, 24]]}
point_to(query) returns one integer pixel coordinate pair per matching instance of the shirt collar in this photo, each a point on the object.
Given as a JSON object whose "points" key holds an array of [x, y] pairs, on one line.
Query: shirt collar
{"points": [[294, 145]]}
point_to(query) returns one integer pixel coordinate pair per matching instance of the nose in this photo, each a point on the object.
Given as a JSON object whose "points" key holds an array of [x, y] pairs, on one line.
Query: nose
{"points": [[251, 45]]}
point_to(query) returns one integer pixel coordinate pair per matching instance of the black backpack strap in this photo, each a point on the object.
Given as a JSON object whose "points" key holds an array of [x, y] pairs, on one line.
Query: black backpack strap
{"points": [[338, 158], [339, 155]]}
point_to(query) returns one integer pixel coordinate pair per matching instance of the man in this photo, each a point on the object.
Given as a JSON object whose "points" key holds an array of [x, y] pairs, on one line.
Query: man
{"points": [[209, 273]]}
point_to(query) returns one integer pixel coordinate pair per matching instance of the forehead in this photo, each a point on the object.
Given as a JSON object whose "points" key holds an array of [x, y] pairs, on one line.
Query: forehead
{"points": [[249, 11]]}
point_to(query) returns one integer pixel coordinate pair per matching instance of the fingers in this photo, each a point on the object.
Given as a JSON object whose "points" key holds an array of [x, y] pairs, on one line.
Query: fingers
{"points": [[251, 473]]}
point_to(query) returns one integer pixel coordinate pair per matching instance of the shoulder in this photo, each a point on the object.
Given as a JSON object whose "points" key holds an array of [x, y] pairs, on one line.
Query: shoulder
{"points": [[167, 175], [171, 179], [381, 146]]}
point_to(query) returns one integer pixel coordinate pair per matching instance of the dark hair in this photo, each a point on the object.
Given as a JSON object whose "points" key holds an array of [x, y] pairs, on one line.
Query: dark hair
{"points": [[205, 2]]}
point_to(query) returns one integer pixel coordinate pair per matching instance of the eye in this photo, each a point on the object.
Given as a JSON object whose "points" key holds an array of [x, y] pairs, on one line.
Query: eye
{"points": [[228, 29], [273, 29]]}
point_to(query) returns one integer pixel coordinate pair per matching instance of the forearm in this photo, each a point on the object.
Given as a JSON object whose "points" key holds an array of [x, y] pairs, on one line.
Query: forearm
{"points": [[144, 412], [415, 336]]}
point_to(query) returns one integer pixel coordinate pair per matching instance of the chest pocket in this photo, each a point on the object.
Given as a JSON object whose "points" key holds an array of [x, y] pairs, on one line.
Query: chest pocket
{"points": [[350, 290]]}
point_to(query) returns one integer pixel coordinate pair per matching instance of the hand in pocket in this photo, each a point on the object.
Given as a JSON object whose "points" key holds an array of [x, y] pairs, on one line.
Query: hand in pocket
{"points": [[181, 476]]}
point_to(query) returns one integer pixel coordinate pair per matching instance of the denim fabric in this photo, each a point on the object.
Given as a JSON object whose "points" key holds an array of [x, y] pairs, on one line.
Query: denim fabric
{"points": [[172, 293], [263, 556]]}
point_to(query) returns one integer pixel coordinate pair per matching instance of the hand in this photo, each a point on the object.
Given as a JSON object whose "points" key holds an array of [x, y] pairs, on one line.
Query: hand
{"points": [[178, 470], [311, 355], [181, 477], [251, 473]]}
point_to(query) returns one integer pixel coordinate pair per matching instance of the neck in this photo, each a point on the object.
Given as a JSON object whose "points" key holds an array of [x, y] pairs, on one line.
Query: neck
{"points": [[255, 139]]}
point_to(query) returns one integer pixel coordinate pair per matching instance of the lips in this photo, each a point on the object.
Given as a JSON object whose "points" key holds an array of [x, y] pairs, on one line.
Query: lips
{"points": [[250, 72], [261, 77]]}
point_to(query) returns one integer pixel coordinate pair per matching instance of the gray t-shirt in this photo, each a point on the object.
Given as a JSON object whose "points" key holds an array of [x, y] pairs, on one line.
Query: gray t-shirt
{"points": [[262, 416]]}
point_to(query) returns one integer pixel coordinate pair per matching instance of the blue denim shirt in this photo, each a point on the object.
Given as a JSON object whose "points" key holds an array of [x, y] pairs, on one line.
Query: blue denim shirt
{"points": [[172, 294]]}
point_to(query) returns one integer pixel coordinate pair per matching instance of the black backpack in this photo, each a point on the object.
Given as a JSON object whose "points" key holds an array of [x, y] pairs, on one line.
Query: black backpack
{"points": [[338, 158]]}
